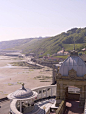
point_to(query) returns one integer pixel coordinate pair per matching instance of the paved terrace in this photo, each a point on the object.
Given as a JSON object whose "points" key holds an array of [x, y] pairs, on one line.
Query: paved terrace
{"points": [[42, 106], [72, 107]]}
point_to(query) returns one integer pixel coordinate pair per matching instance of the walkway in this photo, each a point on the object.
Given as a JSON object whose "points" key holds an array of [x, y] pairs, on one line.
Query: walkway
{"points": [[72, 107], [41, 107]]}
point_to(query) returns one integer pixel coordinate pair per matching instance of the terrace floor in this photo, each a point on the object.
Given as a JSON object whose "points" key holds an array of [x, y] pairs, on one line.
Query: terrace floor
{"points": [[73, 107], [43, 106]]}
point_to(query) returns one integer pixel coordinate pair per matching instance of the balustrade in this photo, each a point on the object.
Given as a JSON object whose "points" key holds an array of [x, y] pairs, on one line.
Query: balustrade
{"points": [[44, 91]]}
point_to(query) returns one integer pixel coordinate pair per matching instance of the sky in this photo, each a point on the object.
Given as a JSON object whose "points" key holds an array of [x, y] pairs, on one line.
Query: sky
{"points": [[21, 19]]}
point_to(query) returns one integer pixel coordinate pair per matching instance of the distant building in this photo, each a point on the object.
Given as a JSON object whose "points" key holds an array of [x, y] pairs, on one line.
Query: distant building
{"points": [[62, 52], [32, 54], [84, 49]]}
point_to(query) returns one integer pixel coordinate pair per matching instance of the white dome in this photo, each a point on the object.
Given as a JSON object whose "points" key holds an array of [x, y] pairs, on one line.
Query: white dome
{"points": [[73, 62], [22, 93]]}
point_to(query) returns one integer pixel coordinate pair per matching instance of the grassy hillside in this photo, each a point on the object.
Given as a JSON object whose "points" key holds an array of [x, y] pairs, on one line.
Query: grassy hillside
{"points": [[11, 44], [49, 45], [53, 44]]}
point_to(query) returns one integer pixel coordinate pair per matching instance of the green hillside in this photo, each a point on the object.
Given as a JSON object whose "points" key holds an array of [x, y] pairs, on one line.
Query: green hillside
{"points": [[49, 45], [53, 44], [13, 43]]}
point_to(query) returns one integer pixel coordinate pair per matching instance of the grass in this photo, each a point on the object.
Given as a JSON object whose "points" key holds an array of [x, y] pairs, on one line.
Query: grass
{"points": [[71, 46], [31, 70], [38, 76], [50, 45], [19, 82], [64, 57], [9, 84], [43, 78]]}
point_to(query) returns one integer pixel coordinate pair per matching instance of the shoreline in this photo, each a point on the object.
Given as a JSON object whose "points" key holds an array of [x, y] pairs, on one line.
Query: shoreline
{"points": [[12, 77]]}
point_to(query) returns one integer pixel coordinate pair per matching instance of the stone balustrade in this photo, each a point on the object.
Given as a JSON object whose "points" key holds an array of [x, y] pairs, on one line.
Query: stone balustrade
{"points": [[13, 106], [43, 92]]}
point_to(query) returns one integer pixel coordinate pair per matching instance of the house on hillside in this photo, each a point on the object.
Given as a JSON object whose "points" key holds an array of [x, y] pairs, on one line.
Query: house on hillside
{"points": [[84, 49], [32, 54], [62, 52]]}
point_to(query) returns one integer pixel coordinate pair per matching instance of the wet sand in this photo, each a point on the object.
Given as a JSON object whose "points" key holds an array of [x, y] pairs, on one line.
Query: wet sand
{"points": [[11, 77]]}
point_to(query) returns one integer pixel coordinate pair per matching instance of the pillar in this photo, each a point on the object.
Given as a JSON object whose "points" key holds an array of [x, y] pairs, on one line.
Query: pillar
{"points": [[38, 94], [20, 106], [53, 78], [58, 91], [51, 91], [83, 92], [46, 92], [61, 92], [82, 95], [57, 94], [41, 93]]}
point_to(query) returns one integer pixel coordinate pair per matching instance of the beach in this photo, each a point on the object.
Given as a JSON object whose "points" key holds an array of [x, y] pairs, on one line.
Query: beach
{"points": [[11, 77]]}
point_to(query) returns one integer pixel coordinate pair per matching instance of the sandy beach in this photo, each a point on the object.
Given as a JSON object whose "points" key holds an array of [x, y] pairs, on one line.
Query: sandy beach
{"points": [[11, 77]]}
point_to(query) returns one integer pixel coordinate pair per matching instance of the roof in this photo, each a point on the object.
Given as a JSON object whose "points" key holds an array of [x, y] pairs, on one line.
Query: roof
{"points": [[60, 51], [73, 62], [84, 49], [83, 57], [21, 93]]}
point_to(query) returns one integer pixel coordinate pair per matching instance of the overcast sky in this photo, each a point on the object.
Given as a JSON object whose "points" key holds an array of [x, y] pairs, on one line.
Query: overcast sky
{"points": [[33, 18]]}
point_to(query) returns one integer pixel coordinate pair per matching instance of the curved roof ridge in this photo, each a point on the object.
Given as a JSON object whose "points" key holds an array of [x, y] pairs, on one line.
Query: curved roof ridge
{"points": [[74, 62], [82, 61]]}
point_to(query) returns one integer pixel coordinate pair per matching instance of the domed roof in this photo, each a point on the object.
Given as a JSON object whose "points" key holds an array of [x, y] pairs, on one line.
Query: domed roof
{"points": [[73, 62], [83, 57], [21, 93]]}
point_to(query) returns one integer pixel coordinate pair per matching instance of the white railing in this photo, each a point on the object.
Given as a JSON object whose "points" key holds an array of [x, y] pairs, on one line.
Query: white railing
{"points": [[13, 106], [43, 92]]}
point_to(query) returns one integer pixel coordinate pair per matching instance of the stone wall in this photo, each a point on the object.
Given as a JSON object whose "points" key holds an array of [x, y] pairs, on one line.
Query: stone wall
{"points": [[61, 108]]}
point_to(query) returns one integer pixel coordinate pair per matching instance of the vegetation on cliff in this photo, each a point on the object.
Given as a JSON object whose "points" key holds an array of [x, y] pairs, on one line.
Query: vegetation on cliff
{"points": [[50, 45]]}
